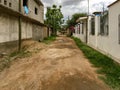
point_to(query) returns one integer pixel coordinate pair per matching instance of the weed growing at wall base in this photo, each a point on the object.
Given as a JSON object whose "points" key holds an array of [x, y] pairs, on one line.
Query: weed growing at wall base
{"points": [[49, 39], [106, 65]]}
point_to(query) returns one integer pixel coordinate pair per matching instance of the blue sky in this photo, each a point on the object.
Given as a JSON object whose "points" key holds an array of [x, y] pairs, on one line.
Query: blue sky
{"points": [[69, 7]]}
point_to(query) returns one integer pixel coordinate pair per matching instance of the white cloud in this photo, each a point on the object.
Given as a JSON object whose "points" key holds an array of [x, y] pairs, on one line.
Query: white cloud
{"points": [[69, 7]]}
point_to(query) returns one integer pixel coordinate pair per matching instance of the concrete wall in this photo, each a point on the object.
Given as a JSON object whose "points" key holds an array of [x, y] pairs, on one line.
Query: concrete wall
{"points": [[80, 31], [32, 25], [39, 32], [26, 29], [107, 44], [114, 12], [14, 4], [8, 28], [32, 4], [93, 38]]}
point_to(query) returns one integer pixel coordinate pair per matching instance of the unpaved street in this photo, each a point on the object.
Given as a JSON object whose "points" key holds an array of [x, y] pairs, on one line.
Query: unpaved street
{"points": [[57, 66]]}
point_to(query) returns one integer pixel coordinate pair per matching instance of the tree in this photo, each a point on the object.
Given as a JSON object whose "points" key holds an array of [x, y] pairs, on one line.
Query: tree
{"points": [[54, 18], [72, 21]]}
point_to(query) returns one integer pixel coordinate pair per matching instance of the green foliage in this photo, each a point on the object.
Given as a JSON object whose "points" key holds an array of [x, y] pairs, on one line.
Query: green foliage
{"points": [[49, 39], [72, 21], [106, 65], [54, 18]]}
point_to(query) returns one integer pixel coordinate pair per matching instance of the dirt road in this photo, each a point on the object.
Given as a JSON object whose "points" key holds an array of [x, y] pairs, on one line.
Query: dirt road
{"points": [[58, 66]]}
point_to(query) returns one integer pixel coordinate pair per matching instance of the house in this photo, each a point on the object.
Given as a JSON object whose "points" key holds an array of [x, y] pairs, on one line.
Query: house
{"points": [[103, 32], [26, 15], [81, 29], [114, 29]]}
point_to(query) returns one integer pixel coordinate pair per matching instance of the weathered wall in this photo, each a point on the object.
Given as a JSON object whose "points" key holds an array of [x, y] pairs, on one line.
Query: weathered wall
{"points": [[37, 32], [14, 4], [26, 29], [46, 32], [31, 6], [8, 28]]}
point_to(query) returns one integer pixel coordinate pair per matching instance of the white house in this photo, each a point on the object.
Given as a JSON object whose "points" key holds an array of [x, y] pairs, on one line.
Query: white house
{"points": [[81, 29], [114, 30], [103, 32]]}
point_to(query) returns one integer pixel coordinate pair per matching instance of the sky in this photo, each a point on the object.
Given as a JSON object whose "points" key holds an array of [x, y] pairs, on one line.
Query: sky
{"points": [[69, 7]]}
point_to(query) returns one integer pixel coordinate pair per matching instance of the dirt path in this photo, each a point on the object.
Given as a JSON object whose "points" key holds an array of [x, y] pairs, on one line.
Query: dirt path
{"points": [[58, 66]]}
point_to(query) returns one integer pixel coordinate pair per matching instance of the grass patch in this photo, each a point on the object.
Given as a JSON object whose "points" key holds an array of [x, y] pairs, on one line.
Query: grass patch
{"points": [[107, 67], [49, 39]]}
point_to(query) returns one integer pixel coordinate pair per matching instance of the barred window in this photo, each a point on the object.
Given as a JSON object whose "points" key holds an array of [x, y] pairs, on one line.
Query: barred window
{"points": [[82, 28], [104, 28], [93, 26]]}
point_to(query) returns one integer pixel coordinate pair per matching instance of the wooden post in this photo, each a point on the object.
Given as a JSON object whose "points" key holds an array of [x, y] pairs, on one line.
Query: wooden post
{"points": [[19, 48]]}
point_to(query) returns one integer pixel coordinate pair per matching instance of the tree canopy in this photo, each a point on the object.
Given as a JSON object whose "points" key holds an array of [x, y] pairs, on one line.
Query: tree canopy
{"points": [[54, 18], [72, 21]]}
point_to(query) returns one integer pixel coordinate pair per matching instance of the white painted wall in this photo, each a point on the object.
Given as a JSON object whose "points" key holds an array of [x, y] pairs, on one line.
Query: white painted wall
{"points": [[92, 38], [114, 12], [109, 44], [78, 28]]}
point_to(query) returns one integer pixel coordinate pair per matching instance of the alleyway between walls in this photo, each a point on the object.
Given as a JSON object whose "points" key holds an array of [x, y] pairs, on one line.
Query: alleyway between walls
{"points": [[56, 66]]}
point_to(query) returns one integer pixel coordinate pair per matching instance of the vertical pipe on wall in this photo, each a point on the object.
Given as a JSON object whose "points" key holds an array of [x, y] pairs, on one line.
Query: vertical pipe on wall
{"points": [[19, 47]]}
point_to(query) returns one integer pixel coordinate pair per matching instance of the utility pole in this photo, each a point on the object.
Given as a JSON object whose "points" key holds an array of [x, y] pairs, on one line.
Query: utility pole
{"points": [[88, 7], [19, 48]]}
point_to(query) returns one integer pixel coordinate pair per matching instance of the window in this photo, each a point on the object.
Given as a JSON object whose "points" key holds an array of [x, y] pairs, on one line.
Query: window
{"points": [[93, 26], [25, 2], [25, 5], [5, 2], [104, 30], [36, 11], [101, 25], [82, 28], [119, 28], [10, 5]]}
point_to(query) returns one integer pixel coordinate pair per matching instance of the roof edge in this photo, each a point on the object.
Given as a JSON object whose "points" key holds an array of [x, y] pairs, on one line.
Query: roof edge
{"points": [[113, 3]]}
